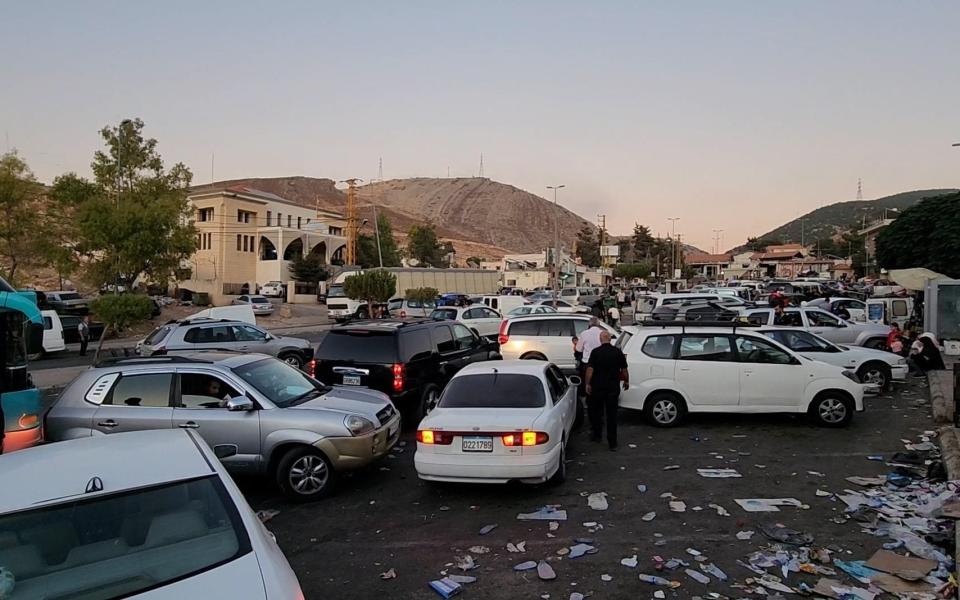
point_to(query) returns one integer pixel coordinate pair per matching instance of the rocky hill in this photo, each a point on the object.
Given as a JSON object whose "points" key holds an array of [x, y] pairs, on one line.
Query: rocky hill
{"points": [[481, 217], [833, 219]]}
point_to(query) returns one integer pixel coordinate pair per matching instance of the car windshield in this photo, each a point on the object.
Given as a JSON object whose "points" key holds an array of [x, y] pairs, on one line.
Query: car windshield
{"points": [[279, 382], [336, 291], [69, 296], [361, 345], [801, 341], [157, 335], [441, 314], [494, 390], [122, 544]]}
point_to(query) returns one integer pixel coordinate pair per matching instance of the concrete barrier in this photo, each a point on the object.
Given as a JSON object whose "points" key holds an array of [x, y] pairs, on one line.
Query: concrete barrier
{"points": [[941, 397]]}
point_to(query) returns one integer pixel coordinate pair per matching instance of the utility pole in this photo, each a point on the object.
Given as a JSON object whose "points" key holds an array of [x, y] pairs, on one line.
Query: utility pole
{"points": [[353, 224], [380, 170], [803, 232], [556, 236], [376, 229], [716, 240], [481, 166], [123, 124], [673, 247]]}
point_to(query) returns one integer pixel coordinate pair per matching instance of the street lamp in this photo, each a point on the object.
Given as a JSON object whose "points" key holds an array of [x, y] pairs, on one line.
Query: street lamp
{"points": [[556, 241], [123, 124], [673, 240]]}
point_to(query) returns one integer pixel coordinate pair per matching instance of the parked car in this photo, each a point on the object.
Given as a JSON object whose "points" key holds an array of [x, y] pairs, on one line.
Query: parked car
{"points": [[499, 422], [280, 422], [695, 310], [563, 306], [481, 319], [890, 310], [71, 334], [401, 308], [545, 337], [67, 302], [503, 303], [234, 336], [273, 289], [876, 367], [675, 371], [856, 309], [453, 299], [531, 309], [646, 305], [410, 361], [259, 304], [165, 521], [53, 340], [826, 325]]}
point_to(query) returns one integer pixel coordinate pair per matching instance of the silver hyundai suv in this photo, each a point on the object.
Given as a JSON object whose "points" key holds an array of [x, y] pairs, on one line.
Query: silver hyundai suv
{"points": [[260, 415], [222, 334]]}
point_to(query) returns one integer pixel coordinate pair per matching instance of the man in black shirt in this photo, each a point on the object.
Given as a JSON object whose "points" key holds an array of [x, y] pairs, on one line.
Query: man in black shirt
{"points": [[606, 369]]}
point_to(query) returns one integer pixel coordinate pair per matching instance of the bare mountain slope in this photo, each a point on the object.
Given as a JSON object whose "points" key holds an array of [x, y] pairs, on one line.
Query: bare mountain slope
{"points": [[481, 217]]}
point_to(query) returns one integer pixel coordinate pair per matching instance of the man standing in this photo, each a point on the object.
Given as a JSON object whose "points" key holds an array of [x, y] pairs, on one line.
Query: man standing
{"points": [[83, 330], [613, 317], [588, 342], [606, 370]]}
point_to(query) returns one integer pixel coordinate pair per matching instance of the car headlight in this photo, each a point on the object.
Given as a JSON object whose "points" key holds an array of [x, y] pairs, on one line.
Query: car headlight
{"points": [[358, 425], [851, 376], [901, 361]]}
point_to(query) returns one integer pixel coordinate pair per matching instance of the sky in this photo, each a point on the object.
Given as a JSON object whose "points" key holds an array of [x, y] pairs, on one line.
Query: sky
{"points": [[727, 115]]}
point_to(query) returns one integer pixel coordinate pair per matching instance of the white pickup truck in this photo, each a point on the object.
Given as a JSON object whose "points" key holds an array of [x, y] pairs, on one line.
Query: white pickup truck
{"points": [[824, 324]]}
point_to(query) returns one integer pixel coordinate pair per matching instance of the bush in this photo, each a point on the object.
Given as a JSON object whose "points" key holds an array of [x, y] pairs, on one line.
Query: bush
{"points": [[371, 286], [120, 312], [423, 295]]}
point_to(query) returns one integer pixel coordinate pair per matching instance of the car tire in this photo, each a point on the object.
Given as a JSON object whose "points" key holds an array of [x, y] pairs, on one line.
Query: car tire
{"points": [[878, 343], [294, 359], [363, 313], [560, 475], [304, 474], [831, 409], [428, 401], [875, 372], [533, 356], [665, 409]]}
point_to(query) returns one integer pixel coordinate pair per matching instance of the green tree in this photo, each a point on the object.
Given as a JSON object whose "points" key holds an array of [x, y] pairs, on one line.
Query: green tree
{"points": [[759, 244], [474, 260], [587, 246], [924, 235], [368, 256], [424, 246], [373, 287], [120, 312], [22, 229], [308, 269], [643, 242], [423, 295], [133, 219], [640, 270]]}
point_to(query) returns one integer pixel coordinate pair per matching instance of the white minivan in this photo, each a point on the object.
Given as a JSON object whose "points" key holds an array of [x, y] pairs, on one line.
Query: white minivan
{"points": [[545, 337], [52, 332]]}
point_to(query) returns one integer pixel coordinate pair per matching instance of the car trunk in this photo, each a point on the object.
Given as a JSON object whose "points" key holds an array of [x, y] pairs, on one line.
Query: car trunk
{"points": [[358, 357], [478, 431]]}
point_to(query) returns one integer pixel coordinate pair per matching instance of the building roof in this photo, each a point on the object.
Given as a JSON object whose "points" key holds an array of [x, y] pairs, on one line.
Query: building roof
{"points": [[708, 259], [785, 248], [782, 255], [255, 194]]}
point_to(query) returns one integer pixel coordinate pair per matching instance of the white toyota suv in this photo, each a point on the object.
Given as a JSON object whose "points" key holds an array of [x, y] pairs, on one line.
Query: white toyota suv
{"points": [[545, 337], [676, 370]]}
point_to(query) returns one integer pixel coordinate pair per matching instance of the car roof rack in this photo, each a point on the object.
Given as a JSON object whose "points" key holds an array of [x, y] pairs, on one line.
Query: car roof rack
{"points": [[163, 359], [733, 325]]}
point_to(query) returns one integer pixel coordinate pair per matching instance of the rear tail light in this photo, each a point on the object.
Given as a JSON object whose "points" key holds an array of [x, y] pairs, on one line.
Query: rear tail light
{"points": [[436, 438], [159, 351], [525, 438], [403, 314], [399, 375], [503, 338], [28, 421], [312, 368]]}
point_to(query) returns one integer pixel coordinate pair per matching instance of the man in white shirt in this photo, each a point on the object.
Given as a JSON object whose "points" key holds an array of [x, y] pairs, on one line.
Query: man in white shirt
{"points": [[589, 339], [613, 316]]}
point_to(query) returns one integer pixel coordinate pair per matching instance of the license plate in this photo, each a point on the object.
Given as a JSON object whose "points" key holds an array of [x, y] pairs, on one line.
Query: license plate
{"points": [[477, 444], [351, 380]]}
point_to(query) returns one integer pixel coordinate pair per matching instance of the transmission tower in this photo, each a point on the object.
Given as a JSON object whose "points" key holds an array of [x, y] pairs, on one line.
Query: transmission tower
{"points": [[481, 164], [353, 221], [380, 170], [602, 224], [859, 189]]}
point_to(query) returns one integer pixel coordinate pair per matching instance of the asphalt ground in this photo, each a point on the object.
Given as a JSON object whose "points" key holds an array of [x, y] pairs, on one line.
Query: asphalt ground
{"points": [[384, 517]]}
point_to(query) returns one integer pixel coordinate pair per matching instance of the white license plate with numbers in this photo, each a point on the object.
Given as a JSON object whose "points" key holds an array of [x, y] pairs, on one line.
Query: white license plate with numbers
{"points": [[477, 444], [351, 380]]}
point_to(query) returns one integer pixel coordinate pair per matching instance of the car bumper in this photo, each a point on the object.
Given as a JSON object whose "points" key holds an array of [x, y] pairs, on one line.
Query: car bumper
{"points": [[479, 468], [264, 310], [21, 439], [899, 372], [349, 453], [339, 313]]}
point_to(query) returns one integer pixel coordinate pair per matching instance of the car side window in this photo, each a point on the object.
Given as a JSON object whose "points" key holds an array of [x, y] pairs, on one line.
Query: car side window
{"points": [[246, 333], [579, 326], [199, 390], [489, 313], [243, 299], [147, 390], [557, 387], [465, 337], [899, 308], [659, 346], [562, 384], [822, 319], [752, 350], [556, 328], [443, 338], [712, 348], [415, 345], [530, 328], [209, 335]]}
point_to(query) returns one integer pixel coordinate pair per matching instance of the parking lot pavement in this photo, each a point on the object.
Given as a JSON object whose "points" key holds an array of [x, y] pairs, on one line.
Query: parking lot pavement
{"points": [[386, 518]]}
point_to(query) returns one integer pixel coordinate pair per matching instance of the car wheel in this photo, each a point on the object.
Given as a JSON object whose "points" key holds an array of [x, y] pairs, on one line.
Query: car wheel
{"points": [[875, 372], [304, 474], [665, 410], [362, 313], [428, 401], [293, 359], [876, 343], [831, 409], [560, 475]]}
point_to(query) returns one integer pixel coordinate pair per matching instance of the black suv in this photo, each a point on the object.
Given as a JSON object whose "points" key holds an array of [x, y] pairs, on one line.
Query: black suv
{"points": [[410, 361]]}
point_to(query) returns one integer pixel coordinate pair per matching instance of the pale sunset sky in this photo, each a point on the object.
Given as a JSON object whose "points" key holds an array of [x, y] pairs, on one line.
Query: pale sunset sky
{"points": [[730, 115]]}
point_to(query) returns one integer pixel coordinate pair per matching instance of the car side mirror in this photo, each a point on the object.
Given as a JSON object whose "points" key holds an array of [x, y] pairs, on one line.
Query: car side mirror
{"points": [[574, 380], [239, 404]]}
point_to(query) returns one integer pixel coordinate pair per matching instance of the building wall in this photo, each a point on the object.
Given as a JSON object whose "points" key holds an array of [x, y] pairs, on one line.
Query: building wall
{"points": [[526, 279]]}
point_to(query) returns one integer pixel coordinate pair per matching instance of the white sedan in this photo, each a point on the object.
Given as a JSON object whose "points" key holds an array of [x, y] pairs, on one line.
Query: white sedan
{"points": [[531, 309], [499, 421], [875, 367], [483, 320], [259, 304], [167, 522], [563, 306]]}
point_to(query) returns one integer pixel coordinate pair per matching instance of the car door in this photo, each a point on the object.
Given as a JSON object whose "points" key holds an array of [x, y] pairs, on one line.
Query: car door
{"points": [[470, 344], [856, 309], [200, 404], [770, 377], [760, 316], [706, 371], [138, 401], [210, 337], [451, 358], [564, 399], [485, 321], [828, 326], [242, 300], [556, 338], [249, 339]]}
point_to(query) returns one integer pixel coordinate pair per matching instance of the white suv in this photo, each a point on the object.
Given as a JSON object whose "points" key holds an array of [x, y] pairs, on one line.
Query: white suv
{"points": [[545, 337], [676, 370]]}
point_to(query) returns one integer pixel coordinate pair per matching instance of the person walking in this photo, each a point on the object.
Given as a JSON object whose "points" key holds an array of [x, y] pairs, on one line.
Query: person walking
{"points": [[613, 317], [606, 372], [83, 330]]}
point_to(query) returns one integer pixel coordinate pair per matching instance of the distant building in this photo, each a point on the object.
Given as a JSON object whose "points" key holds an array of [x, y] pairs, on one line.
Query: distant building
{"points": [[247, 237], [709, 266], [870, 233]]}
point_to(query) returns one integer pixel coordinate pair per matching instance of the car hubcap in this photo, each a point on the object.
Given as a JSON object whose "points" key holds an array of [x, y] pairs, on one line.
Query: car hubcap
{"points": [[308, 475], [292, 361], [832, 410], [431, 401], [664, 411], [875, 376]]}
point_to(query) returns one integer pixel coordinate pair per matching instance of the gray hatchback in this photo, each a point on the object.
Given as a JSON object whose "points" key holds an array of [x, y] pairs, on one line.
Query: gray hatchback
{"points": [[259, 414], [219, 334]]}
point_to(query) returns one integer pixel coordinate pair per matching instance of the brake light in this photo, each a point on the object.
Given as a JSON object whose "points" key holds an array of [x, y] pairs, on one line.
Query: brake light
{"points": [[28, 421], [525, 438], [159, 351], [403, 314], [399, 374], [503, 338], [312, 368], [436, 438]]}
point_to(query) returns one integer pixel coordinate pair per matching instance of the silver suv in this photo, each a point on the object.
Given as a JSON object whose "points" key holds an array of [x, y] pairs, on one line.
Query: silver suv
{"points": [[221, 334], [259, 415]]}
